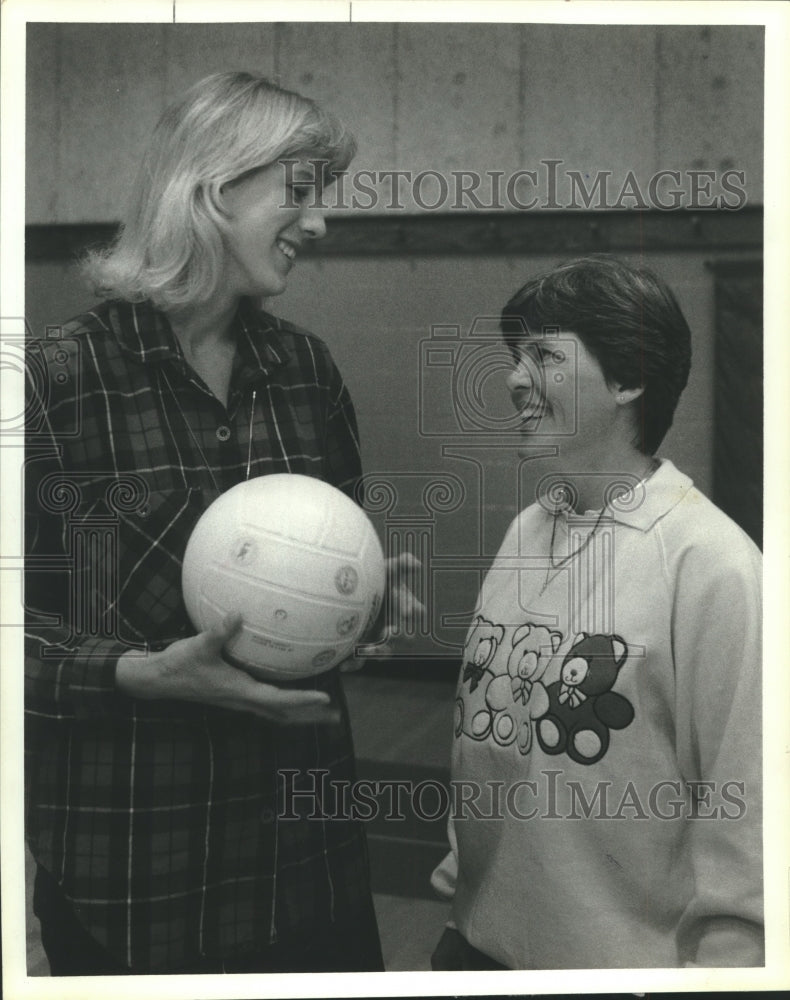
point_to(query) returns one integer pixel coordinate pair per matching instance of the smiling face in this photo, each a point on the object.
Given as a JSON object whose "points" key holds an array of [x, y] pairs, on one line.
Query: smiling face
{"points": [[563, 398], [272, 213]]}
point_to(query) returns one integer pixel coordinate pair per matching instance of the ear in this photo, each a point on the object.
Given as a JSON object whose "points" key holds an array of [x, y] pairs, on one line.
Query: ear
{"points": [[625, 396], [520, 633], [620, 649]]}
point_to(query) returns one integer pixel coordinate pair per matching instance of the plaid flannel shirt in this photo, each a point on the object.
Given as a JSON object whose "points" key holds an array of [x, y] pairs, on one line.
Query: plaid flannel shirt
{"points": [[162, 820]]}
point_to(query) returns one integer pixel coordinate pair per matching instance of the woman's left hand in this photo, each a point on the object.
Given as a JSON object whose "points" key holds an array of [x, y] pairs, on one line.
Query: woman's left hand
{"points": [[400, 602]]}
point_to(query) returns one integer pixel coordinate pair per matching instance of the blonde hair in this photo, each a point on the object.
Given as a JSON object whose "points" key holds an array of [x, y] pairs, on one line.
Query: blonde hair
{"points": [[170, 247]]}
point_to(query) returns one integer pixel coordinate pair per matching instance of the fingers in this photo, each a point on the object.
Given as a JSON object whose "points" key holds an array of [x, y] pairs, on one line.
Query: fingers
{"points": [[352, 665], [288, 707], [194, 670], [409, 611], [204, 675], [404, 561], [221, 632], [381, 649], [402, 569], [231, 623], [355, 663], [408, 603], [281, 705]]}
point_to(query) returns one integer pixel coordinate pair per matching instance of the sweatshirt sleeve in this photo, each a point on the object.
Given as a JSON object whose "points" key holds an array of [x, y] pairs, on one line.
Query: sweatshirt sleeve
{"points": [[445, 875], [717, 628]]}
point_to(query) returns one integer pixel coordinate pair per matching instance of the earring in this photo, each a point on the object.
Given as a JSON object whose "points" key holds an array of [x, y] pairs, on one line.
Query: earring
{"points": [[620, 397]]}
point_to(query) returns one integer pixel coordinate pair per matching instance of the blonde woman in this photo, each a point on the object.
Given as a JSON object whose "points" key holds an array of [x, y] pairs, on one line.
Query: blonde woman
{"points": [[154, 767]]}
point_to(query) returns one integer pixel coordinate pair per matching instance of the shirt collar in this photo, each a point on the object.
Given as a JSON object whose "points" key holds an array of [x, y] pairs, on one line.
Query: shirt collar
{"points": [[649, 500], [652, 499], [261, 348], [144, 333]]}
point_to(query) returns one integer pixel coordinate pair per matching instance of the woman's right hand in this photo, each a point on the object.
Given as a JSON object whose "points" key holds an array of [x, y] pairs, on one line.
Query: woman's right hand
{"points": [[193, 669]]}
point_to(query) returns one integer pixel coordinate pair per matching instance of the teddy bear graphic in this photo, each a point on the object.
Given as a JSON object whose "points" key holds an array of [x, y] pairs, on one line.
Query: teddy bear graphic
{"points": [[503, 705], [471, 715], [517, 697], [582, 708]]}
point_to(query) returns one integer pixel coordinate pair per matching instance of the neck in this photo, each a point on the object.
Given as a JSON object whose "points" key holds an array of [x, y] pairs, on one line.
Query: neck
{"points": [[203, 327], [590, 487]]}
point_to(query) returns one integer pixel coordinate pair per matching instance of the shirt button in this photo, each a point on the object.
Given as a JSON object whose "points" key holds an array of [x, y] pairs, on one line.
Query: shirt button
{"points": [[223, 432], [267, 815]]}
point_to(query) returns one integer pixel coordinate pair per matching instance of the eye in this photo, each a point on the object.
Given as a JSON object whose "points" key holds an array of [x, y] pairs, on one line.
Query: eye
{"points": [[528, 356], [575, 670], [542, 355], [300, 192]]}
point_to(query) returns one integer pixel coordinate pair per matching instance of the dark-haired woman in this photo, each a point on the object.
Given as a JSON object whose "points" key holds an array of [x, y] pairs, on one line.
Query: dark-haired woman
{"points": [[607, 736]]}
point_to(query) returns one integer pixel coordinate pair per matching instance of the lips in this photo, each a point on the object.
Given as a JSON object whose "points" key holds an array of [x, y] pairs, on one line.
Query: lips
{"points": [[530, 415], [287, 249]]}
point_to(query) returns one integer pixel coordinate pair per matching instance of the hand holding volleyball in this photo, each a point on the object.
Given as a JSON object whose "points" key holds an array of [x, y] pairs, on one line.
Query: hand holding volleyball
{"points": [[193, 670], [298, 561]]}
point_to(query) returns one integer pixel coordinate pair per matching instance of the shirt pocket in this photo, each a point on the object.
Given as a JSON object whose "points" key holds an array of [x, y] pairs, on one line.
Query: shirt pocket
{"points": [[151, 542], [125, 544]]}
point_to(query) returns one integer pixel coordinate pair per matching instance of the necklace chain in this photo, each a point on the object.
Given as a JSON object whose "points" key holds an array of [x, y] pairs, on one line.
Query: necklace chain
{"points": [[554, 564]]}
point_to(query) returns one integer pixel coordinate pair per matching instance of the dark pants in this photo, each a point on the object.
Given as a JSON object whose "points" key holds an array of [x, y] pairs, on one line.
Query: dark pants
{"points": [[352, 946], [454, 953]]}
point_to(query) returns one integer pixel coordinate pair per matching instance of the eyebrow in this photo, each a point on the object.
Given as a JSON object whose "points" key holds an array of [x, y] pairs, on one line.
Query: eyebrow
{"points": [[245, 175], [537, 343], [303, 173]]}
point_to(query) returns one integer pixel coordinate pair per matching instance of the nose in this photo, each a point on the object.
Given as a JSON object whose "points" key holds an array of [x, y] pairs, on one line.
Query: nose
{"points": [[312, 222], [519, 382]]}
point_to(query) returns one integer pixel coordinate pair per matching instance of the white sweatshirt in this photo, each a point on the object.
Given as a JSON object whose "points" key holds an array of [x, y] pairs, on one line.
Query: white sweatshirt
{"points": [[592, 697]]}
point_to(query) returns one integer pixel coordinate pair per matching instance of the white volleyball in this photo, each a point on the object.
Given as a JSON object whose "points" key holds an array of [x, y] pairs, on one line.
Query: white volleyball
{"points": [[299, 561]]}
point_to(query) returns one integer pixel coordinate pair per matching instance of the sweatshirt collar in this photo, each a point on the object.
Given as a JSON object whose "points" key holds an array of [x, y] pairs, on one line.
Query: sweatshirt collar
{"points": [[652, 499], [647, 503]]}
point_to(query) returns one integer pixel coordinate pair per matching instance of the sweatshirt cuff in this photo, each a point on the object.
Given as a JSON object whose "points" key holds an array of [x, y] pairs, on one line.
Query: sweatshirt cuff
{"points": [[445, 876], [729, 942]]}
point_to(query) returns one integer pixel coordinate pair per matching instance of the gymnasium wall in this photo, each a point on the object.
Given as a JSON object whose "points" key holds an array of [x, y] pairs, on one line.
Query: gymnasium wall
{"points": [[418, 96]]}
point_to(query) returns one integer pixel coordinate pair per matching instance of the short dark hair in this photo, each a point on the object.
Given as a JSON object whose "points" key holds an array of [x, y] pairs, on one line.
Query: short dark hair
{"points": [[626, 317]]}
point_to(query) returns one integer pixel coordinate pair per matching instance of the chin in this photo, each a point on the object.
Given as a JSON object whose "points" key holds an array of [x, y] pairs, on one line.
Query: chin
{"points": [[530, 439], [269, 289]]}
